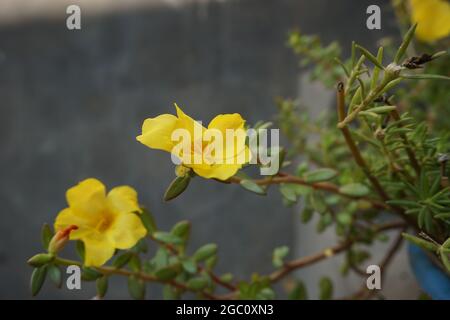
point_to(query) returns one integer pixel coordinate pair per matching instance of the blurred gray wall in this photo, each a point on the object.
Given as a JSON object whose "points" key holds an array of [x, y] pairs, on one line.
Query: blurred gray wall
{"points": [[72, 103]]}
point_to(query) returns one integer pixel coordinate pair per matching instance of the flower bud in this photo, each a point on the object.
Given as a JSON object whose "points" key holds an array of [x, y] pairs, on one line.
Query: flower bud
{"points": [[60, 239], [40, 259]]}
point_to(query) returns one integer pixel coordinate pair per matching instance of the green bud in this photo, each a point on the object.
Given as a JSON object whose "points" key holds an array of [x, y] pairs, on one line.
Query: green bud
{"points": [[40, 259]]}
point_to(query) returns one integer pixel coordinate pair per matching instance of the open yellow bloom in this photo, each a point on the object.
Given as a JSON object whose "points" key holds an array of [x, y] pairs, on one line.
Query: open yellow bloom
{"points": [[220, 148], [105, 221], [433, 18]]}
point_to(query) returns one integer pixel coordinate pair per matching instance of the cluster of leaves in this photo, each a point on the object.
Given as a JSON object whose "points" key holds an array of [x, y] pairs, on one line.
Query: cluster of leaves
{"points": [[404, 153], [169, 265]]}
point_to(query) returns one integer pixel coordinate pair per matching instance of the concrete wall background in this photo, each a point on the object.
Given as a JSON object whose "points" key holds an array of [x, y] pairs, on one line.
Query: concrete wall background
{"points": [[72, 103]]}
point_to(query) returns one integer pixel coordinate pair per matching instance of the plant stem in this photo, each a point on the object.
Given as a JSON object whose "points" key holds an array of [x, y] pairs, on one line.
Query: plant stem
{"points": [[141, 275], [325, 186], [352, 146]]}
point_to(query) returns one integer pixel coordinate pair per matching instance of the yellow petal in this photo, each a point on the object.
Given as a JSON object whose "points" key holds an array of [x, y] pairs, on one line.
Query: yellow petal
{"points": [[217, 171], [98, 250], [123, 199], [68, 217], [127, 230], [157, 132], [433, 18], [227, 121], [87, 197]]}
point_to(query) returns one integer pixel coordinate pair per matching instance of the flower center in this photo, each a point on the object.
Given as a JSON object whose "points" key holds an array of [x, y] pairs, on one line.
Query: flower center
{"points": [[104, 223]]}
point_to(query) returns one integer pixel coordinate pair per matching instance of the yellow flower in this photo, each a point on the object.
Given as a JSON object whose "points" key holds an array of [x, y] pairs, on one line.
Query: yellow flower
{"points": [[433, 18], [217, 151], [104, 222]]}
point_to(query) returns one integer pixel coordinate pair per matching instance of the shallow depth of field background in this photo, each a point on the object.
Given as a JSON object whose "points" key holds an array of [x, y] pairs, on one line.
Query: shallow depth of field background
{"points": [[72, 103]]}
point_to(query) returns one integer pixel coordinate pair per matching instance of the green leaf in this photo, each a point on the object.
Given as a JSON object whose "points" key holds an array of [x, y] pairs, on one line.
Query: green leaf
{"points": [[79, 248], [326, 289], [278, 256], [205, 252], [170, 293], [189, 266], [167, 237], [424, 244], [89, 274], [148, 221], [177, 187], [403, 203], [354, 190], [383, 109], [307, 214], [288, 192], [319, 175], [182, 230], [46, 235], [37, 279], [424, 76], [136, 288], [102, 286], [252, 187], [197, 283], [226, 277], [135, 263], [168, 273], [40, 259], [299, 292], [122, 260], [406, 40], [370, 56], [344, 218], [445, 259], [54, 273]]}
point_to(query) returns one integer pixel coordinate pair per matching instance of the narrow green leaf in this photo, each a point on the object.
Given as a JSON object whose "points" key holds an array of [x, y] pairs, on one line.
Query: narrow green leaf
{"points": [[79, 248], [46, 235], [37, 279], [406, 41], [427, 245], [253, 187], [319, 175], [404, 203], [370, 56], [382, 109], [424, 76], [177, 187]]}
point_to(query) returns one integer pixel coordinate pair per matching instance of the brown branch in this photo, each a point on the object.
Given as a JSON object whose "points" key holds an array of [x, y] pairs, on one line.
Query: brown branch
{"points": [[293, 265], [325, 186], [352, 146]]}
